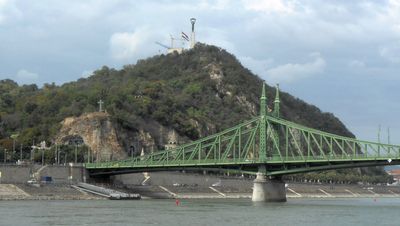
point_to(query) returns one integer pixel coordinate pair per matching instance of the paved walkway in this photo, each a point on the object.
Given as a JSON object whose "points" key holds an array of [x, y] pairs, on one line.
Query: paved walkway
{"points": [[10, 190]]}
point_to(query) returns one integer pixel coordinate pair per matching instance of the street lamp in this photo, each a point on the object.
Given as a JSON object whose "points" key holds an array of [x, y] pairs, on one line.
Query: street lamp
{"points": [[20, 152], [5, 155], [88, 154], [58, 157], [55, 155], [14, 137], [42, 156], [32, 153], [132, 149], [76, 152]]}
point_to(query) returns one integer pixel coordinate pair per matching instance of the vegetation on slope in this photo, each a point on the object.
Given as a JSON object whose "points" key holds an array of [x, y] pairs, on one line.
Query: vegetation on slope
{"points": [[176, 90]]}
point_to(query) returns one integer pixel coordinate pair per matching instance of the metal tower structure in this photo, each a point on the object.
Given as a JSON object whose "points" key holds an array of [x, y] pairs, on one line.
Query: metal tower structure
{"points": [[192, 37]]}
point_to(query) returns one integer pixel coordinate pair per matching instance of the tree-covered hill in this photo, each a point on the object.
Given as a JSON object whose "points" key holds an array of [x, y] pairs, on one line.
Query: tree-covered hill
{"points": [[176, 90], [196, 93]]}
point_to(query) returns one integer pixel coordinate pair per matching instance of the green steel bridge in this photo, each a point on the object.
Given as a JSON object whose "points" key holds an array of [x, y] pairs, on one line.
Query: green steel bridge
{"points": [[266, 144]]}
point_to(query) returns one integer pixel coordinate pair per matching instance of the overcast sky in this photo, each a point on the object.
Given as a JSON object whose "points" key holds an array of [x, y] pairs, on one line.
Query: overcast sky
{"points": [[342, 56]]}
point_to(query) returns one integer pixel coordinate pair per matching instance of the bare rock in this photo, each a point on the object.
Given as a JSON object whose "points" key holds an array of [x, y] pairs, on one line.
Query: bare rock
{"points": [[97, 131]]}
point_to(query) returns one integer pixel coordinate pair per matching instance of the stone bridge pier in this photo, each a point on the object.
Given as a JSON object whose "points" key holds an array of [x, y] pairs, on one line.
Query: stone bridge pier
{"points": [[268, 189]]}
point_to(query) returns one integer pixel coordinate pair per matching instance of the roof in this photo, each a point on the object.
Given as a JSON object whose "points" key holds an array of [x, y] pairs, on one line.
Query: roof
{"points": [[394, 172]]}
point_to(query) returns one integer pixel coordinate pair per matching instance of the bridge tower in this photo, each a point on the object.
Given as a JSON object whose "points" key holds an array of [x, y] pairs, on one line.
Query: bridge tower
{"points": [[277, 103], [267, 189], [262, 154]]}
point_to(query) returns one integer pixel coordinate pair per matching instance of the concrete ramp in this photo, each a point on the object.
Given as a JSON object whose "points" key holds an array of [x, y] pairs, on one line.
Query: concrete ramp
{"points": [[10, 191], [105, 192]]}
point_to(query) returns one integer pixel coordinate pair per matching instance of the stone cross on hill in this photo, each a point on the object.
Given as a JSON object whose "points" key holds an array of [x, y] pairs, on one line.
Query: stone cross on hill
{"points": [[100, 105]]}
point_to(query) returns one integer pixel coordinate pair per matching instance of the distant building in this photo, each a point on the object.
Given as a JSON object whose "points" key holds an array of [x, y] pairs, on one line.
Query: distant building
{"points": [[396, 175]]}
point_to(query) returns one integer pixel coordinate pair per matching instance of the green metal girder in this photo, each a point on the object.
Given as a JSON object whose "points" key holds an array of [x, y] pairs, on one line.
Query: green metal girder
{"points": [[224, 148]]}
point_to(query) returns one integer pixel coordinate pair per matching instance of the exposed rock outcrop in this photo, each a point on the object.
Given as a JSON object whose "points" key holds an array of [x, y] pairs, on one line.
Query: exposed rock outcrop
{"points": [[216, 73], [97, 131], [108, 141]]}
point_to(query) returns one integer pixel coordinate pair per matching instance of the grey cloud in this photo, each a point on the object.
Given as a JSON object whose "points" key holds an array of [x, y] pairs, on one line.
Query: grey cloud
{"points": [[59, 40], [295, 71]]}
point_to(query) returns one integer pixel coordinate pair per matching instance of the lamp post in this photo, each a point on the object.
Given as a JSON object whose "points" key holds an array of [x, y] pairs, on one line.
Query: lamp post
{"points": [[43, 147], [88, 154], [58, 157], [32, 152], [14, 137], [76, 153], [5, 155], [20, 152], [55, 155], [132, 149], [42, 156]]}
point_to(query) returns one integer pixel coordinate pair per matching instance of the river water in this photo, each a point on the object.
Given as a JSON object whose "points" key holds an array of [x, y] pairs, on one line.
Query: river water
{"points": [[338, 212]]}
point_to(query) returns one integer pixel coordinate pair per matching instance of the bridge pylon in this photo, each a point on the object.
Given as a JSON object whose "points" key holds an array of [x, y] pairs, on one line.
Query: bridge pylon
{"points": [[267, 188], [262, 153]]}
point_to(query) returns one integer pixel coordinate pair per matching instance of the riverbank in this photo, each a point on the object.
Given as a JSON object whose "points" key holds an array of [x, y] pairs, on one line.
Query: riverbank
{"points": [[294, 191], [44, 192], [167, 185]]}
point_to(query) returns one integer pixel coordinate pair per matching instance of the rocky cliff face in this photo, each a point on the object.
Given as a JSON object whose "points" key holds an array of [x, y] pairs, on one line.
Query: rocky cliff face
{"points": [[109, 141], [96, 131]]}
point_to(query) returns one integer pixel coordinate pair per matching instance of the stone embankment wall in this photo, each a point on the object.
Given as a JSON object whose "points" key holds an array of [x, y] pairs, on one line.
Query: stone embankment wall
{"points": [[197, 185], [13, 174], [188, 180]]}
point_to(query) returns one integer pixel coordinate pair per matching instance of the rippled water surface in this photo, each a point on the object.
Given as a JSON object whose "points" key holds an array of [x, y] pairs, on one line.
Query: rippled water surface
{"points": [[338, 212]]}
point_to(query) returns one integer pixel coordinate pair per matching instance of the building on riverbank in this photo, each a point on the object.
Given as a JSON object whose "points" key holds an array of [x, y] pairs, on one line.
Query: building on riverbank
{"points": [[396, 175]]}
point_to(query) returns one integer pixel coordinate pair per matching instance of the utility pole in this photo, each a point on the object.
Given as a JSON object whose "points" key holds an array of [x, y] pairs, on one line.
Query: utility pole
{"points": [[20, 152], [5, 155], [55, 154], [88, 154], [13, 146], [32, 150], [76, 153], [379, 134], [14, 137], [132, 148], [379, 141], [58, 157]]}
